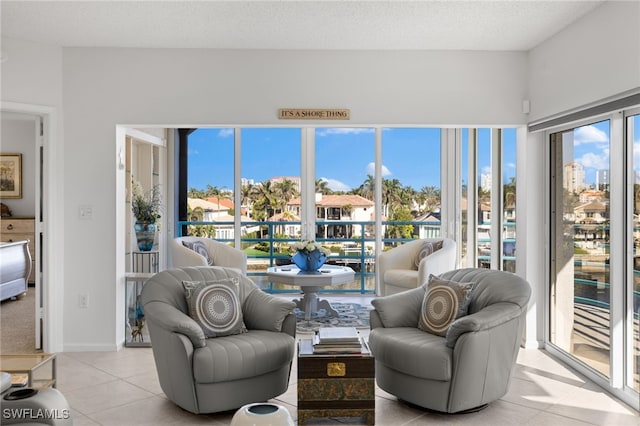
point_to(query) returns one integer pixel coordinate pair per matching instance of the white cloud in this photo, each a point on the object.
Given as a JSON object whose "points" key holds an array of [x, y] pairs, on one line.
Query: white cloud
{"points": [[225, 133], [336, 185], [596, 161], [193, 152], [511, 165], [486, 171], [371, 170], [589, 134], [344, 131]]}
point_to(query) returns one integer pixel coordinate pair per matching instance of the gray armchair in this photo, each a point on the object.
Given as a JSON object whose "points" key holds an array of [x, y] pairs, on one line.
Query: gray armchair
{"points": [[468, 368], [206, 375]]}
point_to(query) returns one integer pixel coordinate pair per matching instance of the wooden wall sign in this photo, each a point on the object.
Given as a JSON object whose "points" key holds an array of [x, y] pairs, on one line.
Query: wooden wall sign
{"points": [[313, 114]]}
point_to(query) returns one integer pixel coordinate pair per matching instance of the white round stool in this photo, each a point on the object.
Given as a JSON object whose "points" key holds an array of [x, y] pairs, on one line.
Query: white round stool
{"points": [[262, 414]]}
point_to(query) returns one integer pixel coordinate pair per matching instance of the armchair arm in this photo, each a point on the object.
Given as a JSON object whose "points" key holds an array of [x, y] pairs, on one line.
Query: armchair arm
{"points": [[400, 309], [182, 256], [171, 319], [227, 256], [262, 311], [486, 319], [438, 262]]}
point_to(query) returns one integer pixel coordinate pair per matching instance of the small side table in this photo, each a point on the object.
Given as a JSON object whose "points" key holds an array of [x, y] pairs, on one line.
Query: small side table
{"points": [[30, 365], [136, 332], [145, 261]]}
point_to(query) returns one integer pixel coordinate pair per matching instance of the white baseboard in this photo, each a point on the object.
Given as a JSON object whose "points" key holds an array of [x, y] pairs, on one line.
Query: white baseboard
{"points": [[91, 347]]}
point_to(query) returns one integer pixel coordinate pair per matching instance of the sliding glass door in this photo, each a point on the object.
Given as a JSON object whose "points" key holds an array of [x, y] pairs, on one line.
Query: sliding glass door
{"points": [[580, 286], [632, 293]]}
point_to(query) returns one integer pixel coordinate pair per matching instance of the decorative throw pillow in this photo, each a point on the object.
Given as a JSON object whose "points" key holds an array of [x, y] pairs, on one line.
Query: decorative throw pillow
{"points": [[200, 248], [443, 303], [428, 247], [216, 306]]}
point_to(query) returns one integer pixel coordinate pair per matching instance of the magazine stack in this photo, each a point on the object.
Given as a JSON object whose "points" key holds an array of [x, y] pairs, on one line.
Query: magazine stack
{"points": [[331, 340]]}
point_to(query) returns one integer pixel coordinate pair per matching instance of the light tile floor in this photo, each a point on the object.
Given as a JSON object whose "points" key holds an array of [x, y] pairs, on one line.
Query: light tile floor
{"points": [[121, 388]]}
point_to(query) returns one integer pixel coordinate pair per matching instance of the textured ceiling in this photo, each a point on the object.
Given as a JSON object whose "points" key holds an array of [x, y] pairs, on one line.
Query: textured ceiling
{"points": [[459, 25]]}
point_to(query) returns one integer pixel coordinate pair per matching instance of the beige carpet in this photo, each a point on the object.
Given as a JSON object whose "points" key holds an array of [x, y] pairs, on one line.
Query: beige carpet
{"points": [[17, 325]]}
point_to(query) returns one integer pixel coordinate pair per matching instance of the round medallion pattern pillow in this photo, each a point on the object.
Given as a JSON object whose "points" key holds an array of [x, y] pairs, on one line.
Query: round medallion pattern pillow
{"points": [[215, 306], [444, 302], [439, 309]]}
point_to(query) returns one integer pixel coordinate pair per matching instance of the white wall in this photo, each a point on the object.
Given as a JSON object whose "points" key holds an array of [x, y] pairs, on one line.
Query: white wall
{"points": [[18, 136], [105, 87], [155, 87], [31, 82], [595, 58]]}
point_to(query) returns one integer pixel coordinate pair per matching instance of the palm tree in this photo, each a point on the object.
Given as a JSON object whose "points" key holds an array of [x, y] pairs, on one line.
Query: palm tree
{"points": [[195, 193], [368, 188], [322, 187], [214, 191], [246, 195], [431, 196], [285, 191], [391, 189], [265, 198], [510, 192]]}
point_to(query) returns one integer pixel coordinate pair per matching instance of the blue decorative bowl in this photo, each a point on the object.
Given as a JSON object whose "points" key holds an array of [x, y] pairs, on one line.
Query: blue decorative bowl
{"points": [[311, 261]]}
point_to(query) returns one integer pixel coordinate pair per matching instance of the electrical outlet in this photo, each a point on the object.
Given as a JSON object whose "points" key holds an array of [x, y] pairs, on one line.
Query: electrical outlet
{"points": [[85, 212], [83, 300]]}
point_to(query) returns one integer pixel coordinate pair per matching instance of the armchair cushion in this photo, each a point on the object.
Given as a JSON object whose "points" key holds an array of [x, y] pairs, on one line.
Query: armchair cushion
{"points": [[264, 311], [443, 303], [237, 357], [215, 306], [404, 348], [405, 278], [200, 248]]}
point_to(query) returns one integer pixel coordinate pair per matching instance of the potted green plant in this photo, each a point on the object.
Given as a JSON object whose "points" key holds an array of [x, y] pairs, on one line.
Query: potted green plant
{"points": [[146, 209]]}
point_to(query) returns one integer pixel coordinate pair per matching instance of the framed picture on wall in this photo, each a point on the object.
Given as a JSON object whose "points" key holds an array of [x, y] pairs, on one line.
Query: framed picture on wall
{"points": [[10, 175]]}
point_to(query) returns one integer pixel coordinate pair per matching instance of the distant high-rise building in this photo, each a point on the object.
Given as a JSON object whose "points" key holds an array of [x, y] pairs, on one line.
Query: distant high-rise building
{"points": [[295, 179], [602, 180], [485, 181], [573, 180], [245, 181]]}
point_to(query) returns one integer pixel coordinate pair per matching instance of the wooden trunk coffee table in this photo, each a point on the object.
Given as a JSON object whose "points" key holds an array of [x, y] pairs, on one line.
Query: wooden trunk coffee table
{"points": [[335, 385]]}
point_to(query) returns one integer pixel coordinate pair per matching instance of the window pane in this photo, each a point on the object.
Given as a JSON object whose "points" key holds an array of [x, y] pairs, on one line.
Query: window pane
{"points": [[509, 200], [464, 204], [270, 187], [210, 183], [580, 269], [345, 207], [484, 198], [411, 183]]}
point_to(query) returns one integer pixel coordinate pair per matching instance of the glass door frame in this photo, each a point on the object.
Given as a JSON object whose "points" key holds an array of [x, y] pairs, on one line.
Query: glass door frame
{"points": [[618, 253]]}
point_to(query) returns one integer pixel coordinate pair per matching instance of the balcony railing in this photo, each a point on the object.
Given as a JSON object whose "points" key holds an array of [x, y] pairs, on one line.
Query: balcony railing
{"points": [[266, 246]]}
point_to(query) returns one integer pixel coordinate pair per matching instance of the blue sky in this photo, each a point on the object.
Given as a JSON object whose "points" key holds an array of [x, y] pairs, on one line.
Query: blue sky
{"points": [[344, 156]]}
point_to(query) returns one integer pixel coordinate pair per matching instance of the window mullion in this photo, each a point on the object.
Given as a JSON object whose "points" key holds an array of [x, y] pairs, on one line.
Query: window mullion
{"points": [[616, 254], [308, 183], [496, 199]]}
